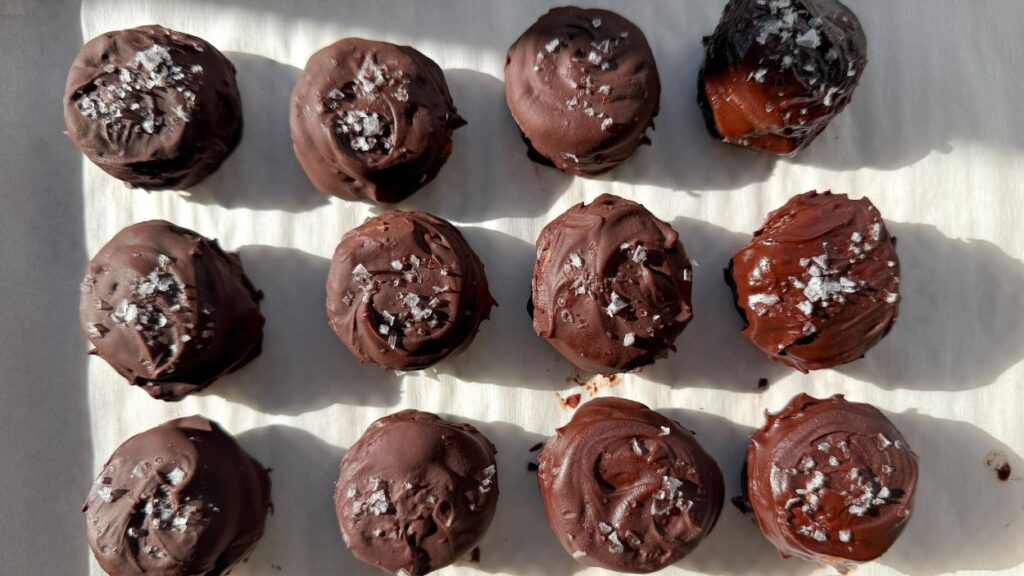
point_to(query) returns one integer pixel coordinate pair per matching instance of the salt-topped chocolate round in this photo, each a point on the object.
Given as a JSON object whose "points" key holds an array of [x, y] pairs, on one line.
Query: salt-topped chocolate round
{"points": [[776, 72], [169, 309], [406, 290], [416, 492], [611, 286], [830, 480], [372, 120], [628, 489], [818, 284], [583, 87], [153, 107], [180, 499]]}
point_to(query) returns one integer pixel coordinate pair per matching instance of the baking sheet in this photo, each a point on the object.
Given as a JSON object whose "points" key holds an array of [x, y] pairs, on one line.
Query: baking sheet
{"points": [[933, 137]]}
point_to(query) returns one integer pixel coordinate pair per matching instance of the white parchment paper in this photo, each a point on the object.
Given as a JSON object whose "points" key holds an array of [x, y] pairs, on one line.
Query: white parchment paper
{"points": [[933, 137]]}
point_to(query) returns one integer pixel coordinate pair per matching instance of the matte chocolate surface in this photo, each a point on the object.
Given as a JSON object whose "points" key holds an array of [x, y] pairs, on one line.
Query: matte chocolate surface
{"points": [[153, 107], [169, 309]]}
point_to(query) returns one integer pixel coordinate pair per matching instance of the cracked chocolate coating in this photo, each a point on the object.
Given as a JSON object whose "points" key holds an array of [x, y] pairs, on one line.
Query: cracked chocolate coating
{"points": [[181, 499], [169, 309], [372, 120], [628, 489], [818, 284], [406, 290], [583, 87], [830, 480], [776, 72], [416, 492], [611, 286], [153, 107]]}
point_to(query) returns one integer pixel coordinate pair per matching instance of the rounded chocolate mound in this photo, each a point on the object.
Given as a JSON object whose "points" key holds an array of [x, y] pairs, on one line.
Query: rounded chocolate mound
{"points": [[406, 290], [169, 309], [830, 480], [628, 489], [818, 284], [611, 286], [416, 492], [583, 87], [775, 73], [182, 498], [153, 107], [372, 120]]}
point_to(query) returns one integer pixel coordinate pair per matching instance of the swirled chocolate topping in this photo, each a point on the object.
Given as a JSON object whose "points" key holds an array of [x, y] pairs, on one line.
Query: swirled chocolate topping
{"points": [[584, 88], [777, 71], [153, 107], [372, 120], [182, 498], [416, 492], [818, 284], [169, 309], [830, 480], [611, 286], [405, 291], [628, 489]]}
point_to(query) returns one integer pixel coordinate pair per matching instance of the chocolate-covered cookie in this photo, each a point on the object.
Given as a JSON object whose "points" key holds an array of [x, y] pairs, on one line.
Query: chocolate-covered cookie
{"points": [[153, 107], [416, 492], [372, 120], [611, 286], [830, 480], [169, 309], [628, 489], [776, 72], [182, 498], [405, 291], [818, 284], [583, 87]]}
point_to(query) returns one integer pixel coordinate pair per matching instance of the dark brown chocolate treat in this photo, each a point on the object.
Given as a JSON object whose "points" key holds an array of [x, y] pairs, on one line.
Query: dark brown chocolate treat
{"points": [[153, 107], [611, 287], [583, 87], [405, 291], [180, 499], [628, 489], [818, 284], [777, 71], [830, 480], [416, 492], [372, 120], [169, 309]]}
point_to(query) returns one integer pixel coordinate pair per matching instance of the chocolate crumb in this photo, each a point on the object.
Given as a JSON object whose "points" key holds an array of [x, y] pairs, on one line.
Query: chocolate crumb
{"points": [[531, 466], [536, 446], [474, 556], [762, 384]]}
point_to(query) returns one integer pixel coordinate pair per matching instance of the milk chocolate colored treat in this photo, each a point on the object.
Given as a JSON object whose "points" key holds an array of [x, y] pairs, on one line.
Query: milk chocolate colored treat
{"points": [[169, 309], [830, 480], [405, 290], [416, 492], [584, 88], [372, 120], [776, 72], [180, 499], [627, 489], [611, 286], [818, 285], [153, 107]]}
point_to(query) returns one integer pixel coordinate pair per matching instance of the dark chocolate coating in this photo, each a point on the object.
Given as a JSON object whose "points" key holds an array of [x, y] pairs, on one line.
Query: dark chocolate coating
{"points": [[818, 284], [406, 290], [372, 120], [583, 86], [628, 489], [611, 286], [416, 492], [776, 72], [830, 480], [181, 499], [169, 309], [153, 107]]}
